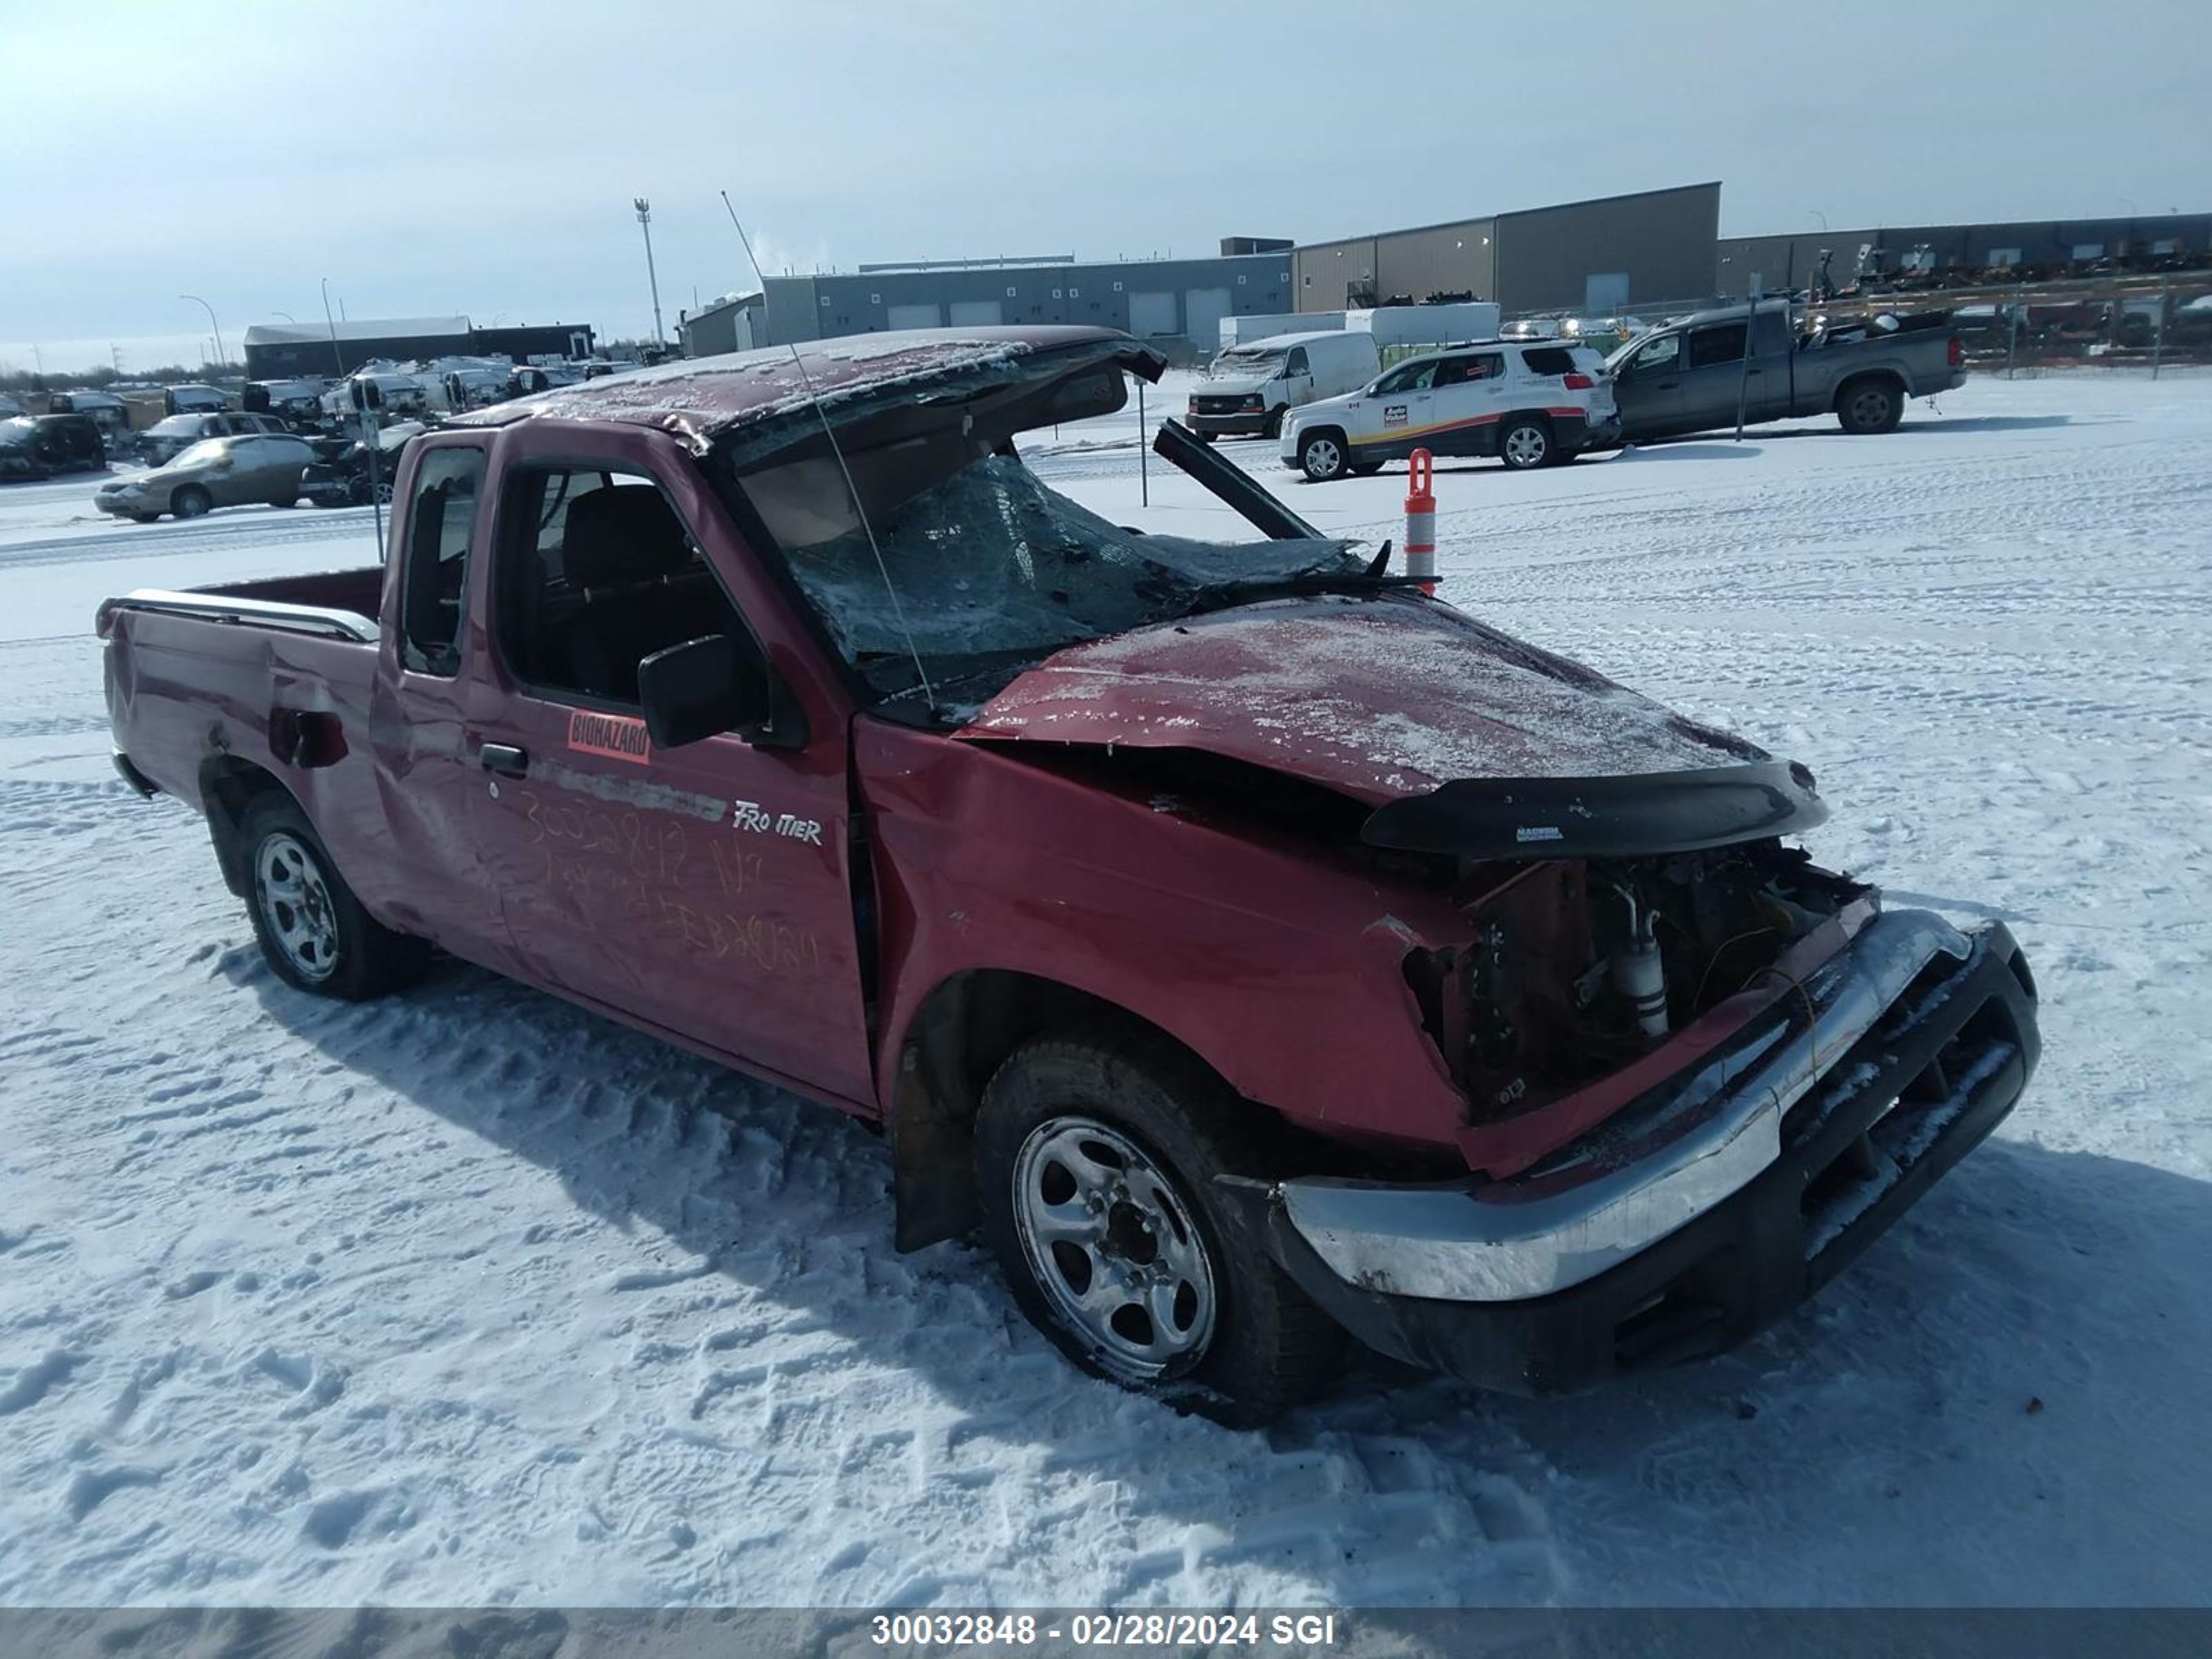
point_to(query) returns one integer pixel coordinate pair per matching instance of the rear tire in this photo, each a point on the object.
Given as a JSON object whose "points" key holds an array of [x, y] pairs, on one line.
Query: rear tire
{"points": [[1864, 408], [1526, 444], [311, 927], [1095, 1165], [1322, 457], [191, 502]]}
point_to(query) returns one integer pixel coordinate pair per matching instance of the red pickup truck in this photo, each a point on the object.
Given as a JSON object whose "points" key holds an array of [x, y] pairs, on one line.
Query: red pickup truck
{"points": [[1253, 948]]}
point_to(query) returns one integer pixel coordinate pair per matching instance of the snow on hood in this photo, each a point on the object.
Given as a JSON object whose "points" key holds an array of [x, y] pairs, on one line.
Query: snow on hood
{"points": [[1379, 698]]}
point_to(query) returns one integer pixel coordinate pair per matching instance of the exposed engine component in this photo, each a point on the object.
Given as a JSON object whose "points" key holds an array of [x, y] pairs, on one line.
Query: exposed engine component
{"points": [[1639, 974], [1559, 985]]}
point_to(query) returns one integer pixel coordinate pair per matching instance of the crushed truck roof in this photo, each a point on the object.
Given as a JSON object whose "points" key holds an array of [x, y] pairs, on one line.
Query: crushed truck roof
{"points": [[702, 398]]}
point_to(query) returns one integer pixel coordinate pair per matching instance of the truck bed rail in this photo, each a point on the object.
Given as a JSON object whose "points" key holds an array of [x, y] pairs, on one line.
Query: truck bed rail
{"points": [[255, 613]]}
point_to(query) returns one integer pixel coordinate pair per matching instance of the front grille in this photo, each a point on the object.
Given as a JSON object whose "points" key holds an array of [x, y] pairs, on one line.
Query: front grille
{"points": [[1217, 405]]}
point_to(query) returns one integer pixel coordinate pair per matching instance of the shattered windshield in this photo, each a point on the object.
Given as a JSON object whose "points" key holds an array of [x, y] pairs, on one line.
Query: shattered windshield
{"points": [[1247, 359], [995, 572]]}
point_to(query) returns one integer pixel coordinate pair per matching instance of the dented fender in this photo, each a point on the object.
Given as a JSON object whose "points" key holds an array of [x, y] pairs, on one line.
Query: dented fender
{"points": [[1277, 960]]}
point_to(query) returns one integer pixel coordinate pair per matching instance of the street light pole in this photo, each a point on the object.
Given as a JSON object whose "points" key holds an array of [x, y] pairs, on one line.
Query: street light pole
{"points": [[645, 223], [220, 355]]}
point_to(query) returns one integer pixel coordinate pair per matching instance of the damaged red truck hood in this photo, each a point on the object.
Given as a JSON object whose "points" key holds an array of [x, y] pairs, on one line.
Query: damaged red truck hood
{"points": [[1464, 738]]}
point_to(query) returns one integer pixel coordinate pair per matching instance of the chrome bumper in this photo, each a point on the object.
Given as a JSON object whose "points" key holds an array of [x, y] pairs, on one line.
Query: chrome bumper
{"points": [[1630, 1182]]}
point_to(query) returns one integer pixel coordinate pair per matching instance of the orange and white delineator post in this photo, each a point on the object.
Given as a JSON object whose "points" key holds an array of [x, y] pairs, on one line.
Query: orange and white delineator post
{"points": [[1421, 520]]}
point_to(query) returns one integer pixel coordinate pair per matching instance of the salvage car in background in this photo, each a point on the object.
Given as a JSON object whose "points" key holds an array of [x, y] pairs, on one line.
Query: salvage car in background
{"points": [[1690, 375], [263, 467], [170, 436], [40, 445], [1253, 948]]}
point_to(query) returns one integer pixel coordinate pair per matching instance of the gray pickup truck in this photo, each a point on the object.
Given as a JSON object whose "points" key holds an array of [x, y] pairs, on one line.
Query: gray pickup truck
{"points": [[1689, 375]]}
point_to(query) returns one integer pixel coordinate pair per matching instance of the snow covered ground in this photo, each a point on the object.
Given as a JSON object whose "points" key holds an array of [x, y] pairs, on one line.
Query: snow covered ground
{"points": [[469, 1296]]}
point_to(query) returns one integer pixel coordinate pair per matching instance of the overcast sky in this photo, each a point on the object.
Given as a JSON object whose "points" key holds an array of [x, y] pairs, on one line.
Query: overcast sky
{"points": [[481, 158]]}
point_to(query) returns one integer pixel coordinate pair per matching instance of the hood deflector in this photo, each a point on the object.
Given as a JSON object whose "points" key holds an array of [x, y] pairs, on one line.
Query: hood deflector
{"points": [[1638, 816]]}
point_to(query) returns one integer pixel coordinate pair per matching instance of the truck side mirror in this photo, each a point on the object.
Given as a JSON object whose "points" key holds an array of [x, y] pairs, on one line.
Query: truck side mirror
{"points": [[711, 685]]}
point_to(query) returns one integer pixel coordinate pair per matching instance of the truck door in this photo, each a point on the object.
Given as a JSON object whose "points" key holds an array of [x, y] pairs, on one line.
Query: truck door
{"points": [[427, 777], [705, 890], [1297, 379], [1649, 388], [1716, 378]]}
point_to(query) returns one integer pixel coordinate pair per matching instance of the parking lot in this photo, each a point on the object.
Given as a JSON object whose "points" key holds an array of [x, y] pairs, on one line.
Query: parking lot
{"points": [[469, 1297]]}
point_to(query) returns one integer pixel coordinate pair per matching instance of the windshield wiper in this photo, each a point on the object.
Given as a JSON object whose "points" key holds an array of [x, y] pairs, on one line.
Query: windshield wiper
{"points": [[1249, 590]]}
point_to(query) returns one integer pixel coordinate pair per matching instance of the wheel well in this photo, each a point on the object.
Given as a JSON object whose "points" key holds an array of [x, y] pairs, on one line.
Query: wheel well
{"points": [[961, 1035], [1887, 377], [1322, 429], [229, 789]]}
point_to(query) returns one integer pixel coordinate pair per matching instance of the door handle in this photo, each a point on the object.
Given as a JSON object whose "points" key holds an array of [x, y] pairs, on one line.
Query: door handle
{"points": [[505, 758], [1669, 385]]}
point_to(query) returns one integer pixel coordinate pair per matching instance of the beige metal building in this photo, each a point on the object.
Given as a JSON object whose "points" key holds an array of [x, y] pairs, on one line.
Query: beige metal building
{"points": [[1595, 256]]}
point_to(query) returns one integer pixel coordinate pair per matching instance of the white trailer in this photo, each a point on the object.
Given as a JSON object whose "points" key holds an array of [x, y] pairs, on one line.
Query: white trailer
{"points": [[1242, 330], [1426, 326]]}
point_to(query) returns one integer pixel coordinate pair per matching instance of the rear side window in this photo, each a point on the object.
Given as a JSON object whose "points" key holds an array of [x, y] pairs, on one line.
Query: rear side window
{"points": [[1549, 360], [1723, 342], [602, 574], [441, 523]]}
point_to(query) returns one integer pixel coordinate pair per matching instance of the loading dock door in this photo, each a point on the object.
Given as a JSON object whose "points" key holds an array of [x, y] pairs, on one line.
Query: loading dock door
{"points": [[977, 314], [913, 317], [1203, 308], [1604, 291], [1152, 314]]}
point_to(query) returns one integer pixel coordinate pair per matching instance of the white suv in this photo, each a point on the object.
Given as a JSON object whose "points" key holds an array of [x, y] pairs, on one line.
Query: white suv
{"points": [[1530, 404]]}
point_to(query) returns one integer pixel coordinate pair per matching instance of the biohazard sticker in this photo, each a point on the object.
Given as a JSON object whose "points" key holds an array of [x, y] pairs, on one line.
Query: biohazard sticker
{"points": [[1393, 413], [617, 737]]}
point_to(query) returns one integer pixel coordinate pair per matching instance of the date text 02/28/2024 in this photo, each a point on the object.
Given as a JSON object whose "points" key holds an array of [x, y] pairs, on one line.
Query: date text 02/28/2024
{"points": [[1303, 1631]]}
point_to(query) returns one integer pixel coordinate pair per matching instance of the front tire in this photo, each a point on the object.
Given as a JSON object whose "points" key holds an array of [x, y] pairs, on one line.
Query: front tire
{"points": [[311, 927], [191, 502], [1274, 429], [1095, 1166], [1322, 457]]}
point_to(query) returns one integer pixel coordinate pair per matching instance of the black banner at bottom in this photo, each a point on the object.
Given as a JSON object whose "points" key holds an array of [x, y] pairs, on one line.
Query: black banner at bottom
{"points": [[1064, 1633]]}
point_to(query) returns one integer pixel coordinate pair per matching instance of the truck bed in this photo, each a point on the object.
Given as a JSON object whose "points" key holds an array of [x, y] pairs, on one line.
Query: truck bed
{"points": [[342, 602]]}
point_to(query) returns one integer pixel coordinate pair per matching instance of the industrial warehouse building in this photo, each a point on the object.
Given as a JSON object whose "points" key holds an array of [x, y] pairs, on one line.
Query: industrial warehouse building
{"points": [[1173, 301], [1648, 249], [1651, 247], [280, 351], [1651, 252]]}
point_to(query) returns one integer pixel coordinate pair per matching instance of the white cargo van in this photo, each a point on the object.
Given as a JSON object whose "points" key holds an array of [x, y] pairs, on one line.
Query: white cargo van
{"points": [[1250, 388]]}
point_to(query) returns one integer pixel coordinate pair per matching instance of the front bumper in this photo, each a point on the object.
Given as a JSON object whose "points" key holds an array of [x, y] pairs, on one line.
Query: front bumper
{"points": [[122, 506], [1242, 423], [1775, 1165]]}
